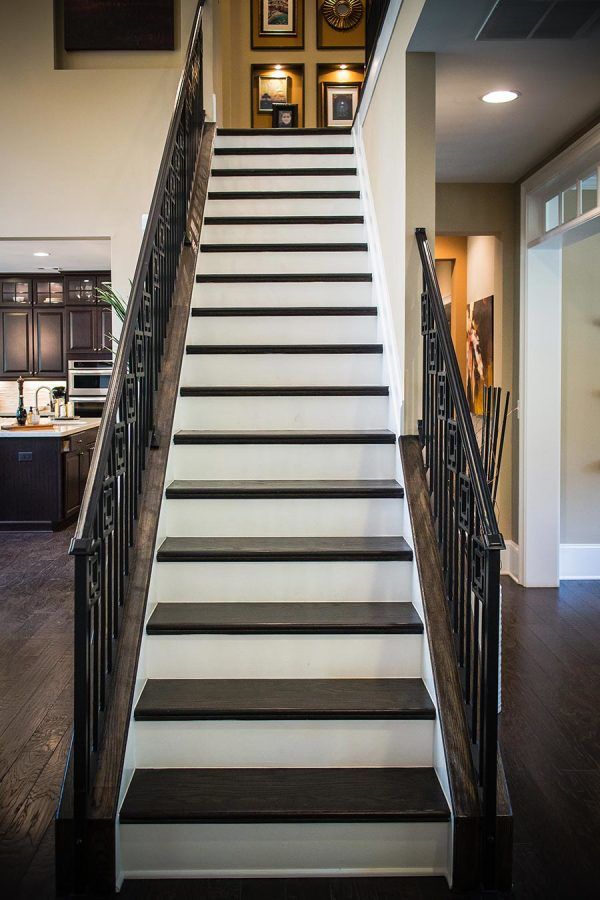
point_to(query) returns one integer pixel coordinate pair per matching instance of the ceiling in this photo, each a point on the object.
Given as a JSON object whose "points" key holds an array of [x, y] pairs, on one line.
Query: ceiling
{"points": [[65, 255], [559, 82]]}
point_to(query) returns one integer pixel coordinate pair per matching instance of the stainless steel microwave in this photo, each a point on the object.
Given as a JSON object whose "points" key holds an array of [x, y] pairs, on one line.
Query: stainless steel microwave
{"points": [[89, 378]]}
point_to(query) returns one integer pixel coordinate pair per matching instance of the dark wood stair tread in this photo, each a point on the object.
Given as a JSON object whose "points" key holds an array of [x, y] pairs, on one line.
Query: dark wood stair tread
{"points": [[272, 278], [283, 195], [289, 349], [285, 618], [376, 390], [283, 549], [284, 795], [331, 247], [287, 172], [192, 489], [249, 311], [284, 437], [177, 699], [284, 220], [287, 151]]}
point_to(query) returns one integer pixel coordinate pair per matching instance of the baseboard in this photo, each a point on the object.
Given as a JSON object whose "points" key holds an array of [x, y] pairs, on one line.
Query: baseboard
{"points": [[510, 561], [579, 561]]}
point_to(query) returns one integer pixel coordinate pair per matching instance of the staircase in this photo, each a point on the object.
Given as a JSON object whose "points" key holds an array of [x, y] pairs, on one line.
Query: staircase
{"points": [[281, 724]]}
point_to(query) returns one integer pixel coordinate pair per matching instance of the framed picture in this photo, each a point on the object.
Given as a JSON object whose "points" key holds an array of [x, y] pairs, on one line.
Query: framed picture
{"points": [[276, 24], [116, 25], [272, 89], [278, 17], [480, 351], [285, 115], [341, 101]]}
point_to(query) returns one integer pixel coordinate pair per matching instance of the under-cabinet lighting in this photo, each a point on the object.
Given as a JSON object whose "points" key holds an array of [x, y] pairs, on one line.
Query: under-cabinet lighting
{"points": [[500, 96], [41, 253], [278, 66], [343, 66]]}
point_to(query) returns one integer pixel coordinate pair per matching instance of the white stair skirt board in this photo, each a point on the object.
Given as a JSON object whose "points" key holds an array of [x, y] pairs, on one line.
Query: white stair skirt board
{"points": [[275, 233], [331, 139], [282, 581], [274, 517], [219, 413], [280, 655], [291, 293], [277, 850], [329, 182], [283, 206], [240, 462], [285, 161], [303, 262], [275, 369], [302, 744], [305, 329], [580, 561]]}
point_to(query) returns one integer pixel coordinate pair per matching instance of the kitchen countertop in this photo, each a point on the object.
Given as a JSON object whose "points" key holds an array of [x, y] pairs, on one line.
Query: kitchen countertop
{"points": [[63, 429]]}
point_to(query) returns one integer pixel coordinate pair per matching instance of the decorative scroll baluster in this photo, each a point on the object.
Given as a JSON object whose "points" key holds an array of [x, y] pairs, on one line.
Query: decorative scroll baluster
{"points": [[469, 541], [106, 529]]}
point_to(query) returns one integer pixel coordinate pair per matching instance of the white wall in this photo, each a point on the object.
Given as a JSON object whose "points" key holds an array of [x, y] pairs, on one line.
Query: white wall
{"points": [[80, 148]]}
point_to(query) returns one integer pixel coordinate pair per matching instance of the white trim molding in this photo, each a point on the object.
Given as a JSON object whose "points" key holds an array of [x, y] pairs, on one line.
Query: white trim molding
{"points": [[509, 560], [579, 561], [383, 41]]}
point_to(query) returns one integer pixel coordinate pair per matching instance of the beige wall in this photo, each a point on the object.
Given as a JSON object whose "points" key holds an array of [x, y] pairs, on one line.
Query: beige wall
{"points": [[492, 209], [580, 439], [237, 57], [454, 248], [80, 148]]}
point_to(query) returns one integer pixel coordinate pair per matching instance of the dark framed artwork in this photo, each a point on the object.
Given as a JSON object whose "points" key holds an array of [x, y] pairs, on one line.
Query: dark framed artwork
{"points": [[277, 24], [119, 25], [341, 102], [340, 24], [285, 115], [480, 351]]}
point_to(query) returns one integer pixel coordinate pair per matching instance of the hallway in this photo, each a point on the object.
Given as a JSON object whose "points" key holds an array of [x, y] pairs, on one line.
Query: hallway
{"points": [[550, 732]]}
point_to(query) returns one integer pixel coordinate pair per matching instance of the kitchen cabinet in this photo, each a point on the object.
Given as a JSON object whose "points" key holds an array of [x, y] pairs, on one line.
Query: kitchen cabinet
{"points": [[42, 479], [45, 321]]}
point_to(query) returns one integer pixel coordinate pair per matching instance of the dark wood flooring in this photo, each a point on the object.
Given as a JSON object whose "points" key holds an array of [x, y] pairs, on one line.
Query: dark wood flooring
{"points": [[550, 735]]}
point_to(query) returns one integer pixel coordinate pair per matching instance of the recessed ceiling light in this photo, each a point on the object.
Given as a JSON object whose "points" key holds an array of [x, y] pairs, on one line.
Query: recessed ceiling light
{"points": [[500, 96], [343, 66], [41, 253], [279, 66]]}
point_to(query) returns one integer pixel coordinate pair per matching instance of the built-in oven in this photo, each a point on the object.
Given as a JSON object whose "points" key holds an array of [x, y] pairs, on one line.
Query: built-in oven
{"points": [[89, 379]]}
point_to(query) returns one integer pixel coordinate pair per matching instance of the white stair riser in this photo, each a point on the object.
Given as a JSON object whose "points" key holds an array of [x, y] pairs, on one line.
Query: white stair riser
{"points": [[299, 139], [276, 849], [283, 234], [329, 182], [282, 330], [344, 581], [264, 413], [279, 461], [276, 369], [283, 517], [285, 161], [302, 744], [284, 656], [282, 263], [293, 293], [284, 206]]}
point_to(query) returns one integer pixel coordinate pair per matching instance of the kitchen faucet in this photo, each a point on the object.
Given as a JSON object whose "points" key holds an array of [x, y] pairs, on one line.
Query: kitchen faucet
{"points": [[43, 387]]}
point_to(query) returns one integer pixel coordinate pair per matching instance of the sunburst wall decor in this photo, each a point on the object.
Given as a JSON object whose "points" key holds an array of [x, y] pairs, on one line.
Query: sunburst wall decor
{"points": [[342, 14]]}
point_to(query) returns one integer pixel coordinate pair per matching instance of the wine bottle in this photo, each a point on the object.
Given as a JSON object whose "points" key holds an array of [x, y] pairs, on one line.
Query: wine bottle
{"points": [[21, 411]]}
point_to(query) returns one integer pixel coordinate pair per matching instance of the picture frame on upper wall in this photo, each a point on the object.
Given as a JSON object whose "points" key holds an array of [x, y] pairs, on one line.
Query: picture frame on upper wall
{"points": [[340, 103], [272, 89], [277, 24], [340, 24]]}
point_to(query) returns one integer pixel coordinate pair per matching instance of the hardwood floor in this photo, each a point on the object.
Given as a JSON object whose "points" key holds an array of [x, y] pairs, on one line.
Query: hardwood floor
{"points": [[550, 736]]}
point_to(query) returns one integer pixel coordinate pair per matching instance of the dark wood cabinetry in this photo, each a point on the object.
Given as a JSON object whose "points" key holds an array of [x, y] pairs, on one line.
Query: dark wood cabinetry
{"points": [[45, 321], [42, 479]]}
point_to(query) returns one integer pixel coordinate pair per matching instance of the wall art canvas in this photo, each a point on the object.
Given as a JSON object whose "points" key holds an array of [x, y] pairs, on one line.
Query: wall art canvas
{"points": [[119, 25], [341, 104], [480, 351], [272, 89], [278, 17]]}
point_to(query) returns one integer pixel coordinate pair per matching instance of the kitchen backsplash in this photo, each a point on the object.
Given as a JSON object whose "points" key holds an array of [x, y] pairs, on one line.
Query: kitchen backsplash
{"points": [[9, 394]]}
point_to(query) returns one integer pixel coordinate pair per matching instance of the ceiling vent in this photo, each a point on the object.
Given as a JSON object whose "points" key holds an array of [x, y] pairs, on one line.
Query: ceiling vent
{"points": [[525, 20]]}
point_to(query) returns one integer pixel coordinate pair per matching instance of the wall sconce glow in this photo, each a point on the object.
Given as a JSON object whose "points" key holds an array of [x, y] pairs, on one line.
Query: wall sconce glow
{"points": [[500, 96], [279, 66], [41, 253]]}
